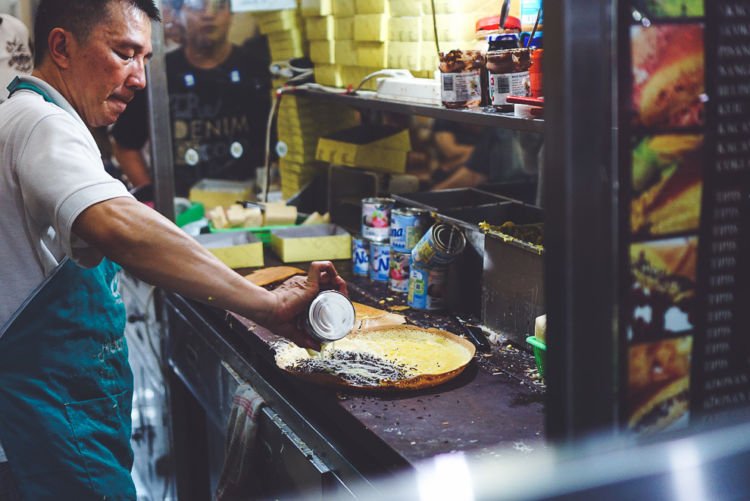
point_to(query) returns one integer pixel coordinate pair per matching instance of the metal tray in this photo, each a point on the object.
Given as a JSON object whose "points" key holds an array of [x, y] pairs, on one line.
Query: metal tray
{"points": [[440, 201]]}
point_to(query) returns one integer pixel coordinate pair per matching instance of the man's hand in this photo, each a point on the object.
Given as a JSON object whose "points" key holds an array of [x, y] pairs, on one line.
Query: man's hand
{"points": [[295, 295]]}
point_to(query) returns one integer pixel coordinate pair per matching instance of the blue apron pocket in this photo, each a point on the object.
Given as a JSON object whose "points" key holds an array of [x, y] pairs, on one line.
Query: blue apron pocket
{"points": [[101, 429]]}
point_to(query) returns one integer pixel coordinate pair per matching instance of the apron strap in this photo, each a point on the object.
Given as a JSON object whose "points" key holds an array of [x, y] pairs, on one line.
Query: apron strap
{"points": [[17, 84]]}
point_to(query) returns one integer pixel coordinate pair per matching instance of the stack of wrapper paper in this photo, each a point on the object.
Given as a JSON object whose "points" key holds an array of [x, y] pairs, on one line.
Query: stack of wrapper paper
{"points": [[285, 32], [301, 122]]}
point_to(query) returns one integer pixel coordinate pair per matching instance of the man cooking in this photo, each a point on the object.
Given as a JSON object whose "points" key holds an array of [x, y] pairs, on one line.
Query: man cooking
{"points": [[65, 384]]}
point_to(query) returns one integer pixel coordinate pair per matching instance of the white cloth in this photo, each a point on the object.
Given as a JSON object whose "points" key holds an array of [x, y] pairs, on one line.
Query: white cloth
{"points": [[50, 171], [15, 54], [239, 477]]}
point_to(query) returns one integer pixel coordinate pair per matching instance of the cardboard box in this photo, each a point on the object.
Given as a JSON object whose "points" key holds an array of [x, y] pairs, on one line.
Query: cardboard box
{"points": [[322, 52], [311, 8], [343, 28], [239, 249], [328, 74], [408, 8], [406, 55], [374, 54], [343, 8], [319, 28], [346, 52], [311, 243], [380, 148], [220, 192], [370, 27], [372, 6], [405, 29]]}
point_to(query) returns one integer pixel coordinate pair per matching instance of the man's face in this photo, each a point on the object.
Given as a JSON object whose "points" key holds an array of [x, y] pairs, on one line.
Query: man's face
{"points": [[108, 67], [207, 22]]}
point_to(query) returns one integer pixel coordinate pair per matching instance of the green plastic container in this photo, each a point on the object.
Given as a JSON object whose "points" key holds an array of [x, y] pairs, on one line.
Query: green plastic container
{"points": [[190, 215], [540, 353]]}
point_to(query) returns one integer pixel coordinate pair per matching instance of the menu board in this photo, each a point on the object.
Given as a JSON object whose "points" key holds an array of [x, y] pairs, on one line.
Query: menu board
{"points": [[685, 211]]}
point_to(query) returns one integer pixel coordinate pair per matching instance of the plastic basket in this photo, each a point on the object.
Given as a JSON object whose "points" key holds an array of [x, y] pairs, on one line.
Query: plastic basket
{"points": [[540, 353]]}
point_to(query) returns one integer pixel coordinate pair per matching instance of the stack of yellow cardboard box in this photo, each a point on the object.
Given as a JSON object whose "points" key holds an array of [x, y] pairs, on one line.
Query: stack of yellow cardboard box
{"points": [[285, 32], [301, 122]]}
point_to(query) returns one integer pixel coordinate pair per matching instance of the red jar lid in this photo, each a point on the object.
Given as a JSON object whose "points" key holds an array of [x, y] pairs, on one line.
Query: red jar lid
{"points": [[492, 23]]}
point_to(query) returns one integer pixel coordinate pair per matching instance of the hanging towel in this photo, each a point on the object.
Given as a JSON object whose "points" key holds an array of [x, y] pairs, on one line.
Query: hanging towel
{"points": [[239, 479]]}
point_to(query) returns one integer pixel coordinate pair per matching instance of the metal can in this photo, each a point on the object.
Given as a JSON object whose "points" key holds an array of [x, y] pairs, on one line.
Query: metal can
{"points": [[398, 280], [360, 257], [376, 218], [407, 227], [329, 317], [439, 246], [426, 287], [379, 261]]}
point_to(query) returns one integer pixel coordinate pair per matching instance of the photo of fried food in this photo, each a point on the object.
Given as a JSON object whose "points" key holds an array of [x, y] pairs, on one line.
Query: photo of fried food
{"points": [[663, 292], [659, 384], [667, 184], [668, 76], [672, 8]]}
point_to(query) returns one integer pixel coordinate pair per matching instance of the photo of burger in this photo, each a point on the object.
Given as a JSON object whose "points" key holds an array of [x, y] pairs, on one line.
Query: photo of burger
{"points": [[670, 8], [668, 76], [667, 184], [659, 385], [663, 292]]}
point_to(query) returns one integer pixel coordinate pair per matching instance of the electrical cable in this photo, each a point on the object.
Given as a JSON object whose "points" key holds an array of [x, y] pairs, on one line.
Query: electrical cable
{"points": [[434, 27]]}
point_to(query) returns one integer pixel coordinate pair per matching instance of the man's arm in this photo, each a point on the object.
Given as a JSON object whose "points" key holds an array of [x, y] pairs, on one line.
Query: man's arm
{"points": [[155, 250], [463, 177], [133, 165]]}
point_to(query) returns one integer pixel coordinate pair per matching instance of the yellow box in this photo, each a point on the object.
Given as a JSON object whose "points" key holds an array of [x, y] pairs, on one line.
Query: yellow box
{"points": [[407, 8], [405, 29], [342, 8], [280, 21], [311, 243], [328, 74], [235, 249], [282, 54], [481, 8], [407, 55], [451, 28], [429, 59], [220, 192], [343, 28], [381, 148], [286, 40], [372, 6], [370, 27], [322, 51], [315, 8], [373, 54], [346, 53], [319, 28], [353, 75]]}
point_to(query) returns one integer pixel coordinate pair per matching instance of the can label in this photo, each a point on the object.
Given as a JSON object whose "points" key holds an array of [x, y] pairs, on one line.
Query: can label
{"points": [[379, 261], [439, 246], [399, 274], [376, 218], [360, 257], [407, 227], [460, 87], [503, 85], [426, 288]]}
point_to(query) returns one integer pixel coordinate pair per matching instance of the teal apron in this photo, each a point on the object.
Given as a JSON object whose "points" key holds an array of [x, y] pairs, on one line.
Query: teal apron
{"points": [[66, 386]]}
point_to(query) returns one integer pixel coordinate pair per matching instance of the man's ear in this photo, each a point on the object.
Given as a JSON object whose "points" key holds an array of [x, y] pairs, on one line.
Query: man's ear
{"points": [[60, 42]]}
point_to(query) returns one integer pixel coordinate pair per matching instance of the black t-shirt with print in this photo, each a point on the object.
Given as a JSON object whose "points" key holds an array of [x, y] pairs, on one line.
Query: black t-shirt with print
{"points": [[218, 117]]}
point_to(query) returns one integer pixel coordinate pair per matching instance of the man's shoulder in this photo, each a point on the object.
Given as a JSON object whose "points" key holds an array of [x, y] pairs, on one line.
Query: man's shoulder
{"points": [[28, 110]]}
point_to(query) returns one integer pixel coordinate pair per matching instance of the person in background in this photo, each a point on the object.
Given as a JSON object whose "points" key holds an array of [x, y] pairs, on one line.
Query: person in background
{"points": [[65, 384], [15, 52], [454, 143], [500, 156], [219, 101]]}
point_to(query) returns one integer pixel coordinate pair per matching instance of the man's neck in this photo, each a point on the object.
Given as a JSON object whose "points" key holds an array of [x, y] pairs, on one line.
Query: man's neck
{"points": [[207, 58], [54, 79]]}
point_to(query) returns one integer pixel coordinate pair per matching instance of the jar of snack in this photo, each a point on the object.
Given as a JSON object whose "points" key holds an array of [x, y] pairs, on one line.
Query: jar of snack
{"points": [[461, 78], [508, 71]]}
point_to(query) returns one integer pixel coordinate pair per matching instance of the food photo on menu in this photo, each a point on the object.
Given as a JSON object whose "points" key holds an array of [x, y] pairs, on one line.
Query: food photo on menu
{"points": [[659, 385], [670, 8], [663, 293], [667, 184], [668, 64]]}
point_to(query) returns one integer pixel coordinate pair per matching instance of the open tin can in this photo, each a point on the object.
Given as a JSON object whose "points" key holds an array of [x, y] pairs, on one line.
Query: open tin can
{"points": [[329, 317]]}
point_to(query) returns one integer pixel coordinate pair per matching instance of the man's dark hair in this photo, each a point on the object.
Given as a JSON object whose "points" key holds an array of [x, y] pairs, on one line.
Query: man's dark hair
{"points": [[78, 17]]}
